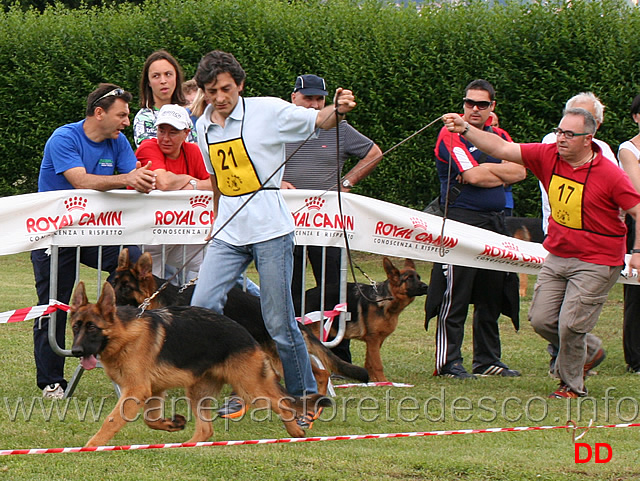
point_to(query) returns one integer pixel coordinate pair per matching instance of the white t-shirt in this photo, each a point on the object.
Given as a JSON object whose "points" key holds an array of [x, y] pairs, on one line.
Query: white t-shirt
{"points": [[630, 146]]}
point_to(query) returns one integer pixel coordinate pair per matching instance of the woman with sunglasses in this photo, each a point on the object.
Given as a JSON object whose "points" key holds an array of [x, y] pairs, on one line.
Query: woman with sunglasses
{"points": [[160, 84]]}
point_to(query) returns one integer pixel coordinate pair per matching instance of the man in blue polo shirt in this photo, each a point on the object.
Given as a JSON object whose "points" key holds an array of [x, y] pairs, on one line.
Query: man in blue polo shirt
{"points": [[90, 154]]}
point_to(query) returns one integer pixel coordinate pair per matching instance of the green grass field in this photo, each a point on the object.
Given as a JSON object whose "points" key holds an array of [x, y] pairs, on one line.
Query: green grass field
{"points": [[408, 355]]}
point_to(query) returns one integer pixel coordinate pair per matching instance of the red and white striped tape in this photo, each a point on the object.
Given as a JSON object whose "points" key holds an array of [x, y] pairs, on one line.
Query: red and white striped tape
{"points": [[327, 316], [373, 384], [348, 437], [27, 313]]}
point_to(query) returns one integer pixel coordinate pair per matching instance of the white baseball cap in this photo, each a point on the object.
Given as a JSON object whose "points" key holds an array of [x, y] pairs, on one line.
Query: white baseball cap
{"points": [[174, 115]]}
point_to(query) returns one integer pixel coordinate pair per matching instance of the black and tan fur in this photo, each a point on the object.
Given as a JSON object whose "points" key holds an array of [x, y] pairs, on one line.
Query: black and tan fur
{"points": [[188, 347], [527, 229], [133, 283], [374, 310]]}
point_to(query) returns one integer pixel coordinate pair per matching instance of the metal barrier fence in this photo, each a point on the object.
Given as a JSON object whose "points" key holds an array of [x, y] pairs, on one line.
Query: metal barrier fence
{"points": [[62, 351]]}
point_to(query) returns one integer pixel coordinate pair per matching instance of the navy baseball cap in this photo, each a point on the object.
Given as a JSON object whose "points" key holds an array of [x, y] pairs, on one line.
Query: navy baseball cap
{"points": [[310, 85]]}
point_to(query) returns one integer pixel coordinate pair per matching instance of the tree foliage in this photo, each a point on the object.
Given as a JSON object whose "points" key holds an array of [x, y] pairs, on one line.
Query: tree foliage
{"points": [[407, 66], [40, 5]]}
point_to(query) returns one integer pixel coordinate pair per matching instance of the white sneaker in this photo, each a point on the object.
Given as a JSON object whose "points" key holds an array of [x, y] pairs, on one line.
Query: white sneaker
{"points": [[53, 391]]}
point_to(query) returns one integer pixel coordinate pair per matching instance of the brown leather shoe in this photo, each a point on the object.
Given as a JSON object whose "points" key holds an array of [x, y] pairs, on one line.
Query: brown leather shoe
{"points": [[596, 361], [563, 392]]}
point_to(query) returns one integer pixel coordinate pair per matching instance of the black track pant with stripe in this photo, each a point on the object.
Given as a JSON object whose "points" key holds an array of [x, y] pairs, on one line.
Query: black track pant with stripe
{"points": [[453, 288], [631, 323], [464, 286]]}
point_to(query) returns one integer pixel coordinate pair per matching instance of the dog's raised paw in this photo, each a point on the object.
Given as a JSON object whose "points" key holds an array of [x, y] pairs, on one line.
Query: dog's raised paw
{"points": [[178, 422]]}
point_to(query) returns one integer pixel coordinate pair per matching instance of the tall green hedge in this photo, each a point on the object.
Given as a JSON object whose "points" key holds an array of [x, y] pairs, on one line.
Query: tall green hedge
{"points": [[407, 66]]}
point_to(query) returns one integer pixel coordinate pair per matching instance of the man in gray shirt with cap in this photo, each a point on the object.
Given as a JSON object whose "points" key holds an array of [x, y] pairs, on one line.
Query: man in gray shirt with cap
{"points": [[313, 166]]}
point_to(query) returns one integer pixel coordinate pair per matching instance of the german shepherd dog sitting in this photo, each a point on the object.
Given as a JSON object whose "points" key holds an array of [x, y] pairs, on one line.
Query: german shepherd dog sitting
{"points": [[133, 283], [374, 309], [188, 347]]}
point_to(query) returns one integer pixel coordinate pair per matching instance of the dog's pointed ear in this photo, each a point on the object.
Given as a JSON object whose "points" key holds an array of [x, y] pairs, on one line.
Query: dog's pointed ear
{"points": [[123, 260], [409, 264], [79, 297], [144, 266], [393, 274], [107, 302]]}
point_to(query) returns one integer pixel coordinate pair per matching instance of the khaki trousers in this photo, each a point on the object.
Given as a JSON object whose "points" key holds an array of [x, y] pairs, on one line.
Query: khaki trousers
{"points": [[567, 300]]}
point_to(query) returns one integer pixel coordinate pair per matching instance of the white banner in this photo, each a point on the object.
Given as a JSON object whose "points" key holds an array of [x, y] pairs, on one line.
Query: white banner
{"points": [[383, 228], [87, 217]]}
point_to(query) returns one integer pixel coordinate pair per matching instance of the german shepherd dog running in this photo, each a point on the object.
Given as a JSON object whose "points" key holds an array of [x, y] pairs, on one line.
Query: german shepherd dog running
{"points": [[133, 283], [188, 347], [374, 309]]}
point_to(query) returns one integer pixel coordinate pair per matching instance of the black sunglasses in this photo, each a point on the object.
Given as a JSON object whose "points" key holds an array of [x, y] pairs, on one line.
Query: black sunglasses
{"points": [[481, 104], [117, 92]]}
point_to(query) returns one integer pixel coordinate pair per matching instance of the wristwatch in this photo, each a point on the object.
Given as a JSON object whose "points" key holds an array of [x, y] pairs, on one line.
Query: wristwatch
{"points": [[346, 183], [194, 184]]}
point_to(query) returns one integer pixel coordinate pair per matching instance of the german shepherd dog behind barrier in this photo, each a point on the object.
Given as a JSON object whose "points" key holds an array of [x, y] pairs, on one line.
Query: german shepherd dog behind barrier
{"points": [[188, 347], [528, 229], [374, 309], [133, 283]]}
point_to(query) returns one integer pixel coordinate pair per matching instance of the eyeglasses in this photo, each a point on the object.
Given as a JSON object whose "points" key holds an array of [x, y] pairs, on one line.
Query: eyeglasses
{"points": [[117, 92], [568, 134], [481, 104]]}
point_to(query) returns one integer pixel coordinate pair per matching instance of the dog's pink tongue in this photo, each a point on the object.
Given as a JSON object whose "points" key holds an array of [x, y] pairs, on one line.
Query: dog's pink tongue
{"points": [[88, 362]]}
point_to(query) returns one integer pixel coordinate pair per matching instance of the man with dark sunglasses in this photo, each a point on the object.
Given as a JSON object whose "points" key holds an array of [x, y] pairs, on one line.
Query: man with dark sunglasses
{"points": [[472, 184], [83, 155], [586, 238]]}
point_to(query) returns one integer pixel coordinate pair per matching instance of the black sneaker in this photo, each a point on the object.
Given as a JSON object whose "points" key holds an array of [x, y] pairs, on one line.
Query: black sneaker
{"points": [[496, 370], [633, 370], [233, 408], [456, 371]]}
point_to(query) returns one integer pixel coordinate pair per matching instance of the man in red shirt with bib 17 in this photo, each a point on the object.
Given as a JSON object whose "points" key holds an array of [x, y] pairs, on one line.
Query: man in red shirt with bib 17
{"points": [[585, 241]]}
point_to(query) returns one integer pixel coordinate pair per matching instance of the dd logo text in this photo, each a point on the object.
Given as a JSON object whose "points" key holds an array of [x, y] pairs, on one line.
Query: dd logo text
{"points": [[584, 453]]}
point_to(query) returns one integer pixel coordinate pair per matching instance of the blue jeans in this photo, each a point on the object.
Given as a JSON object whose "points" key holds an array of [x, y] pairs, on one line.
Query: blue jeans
{"points": [[251, 287], [222, 265]]}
